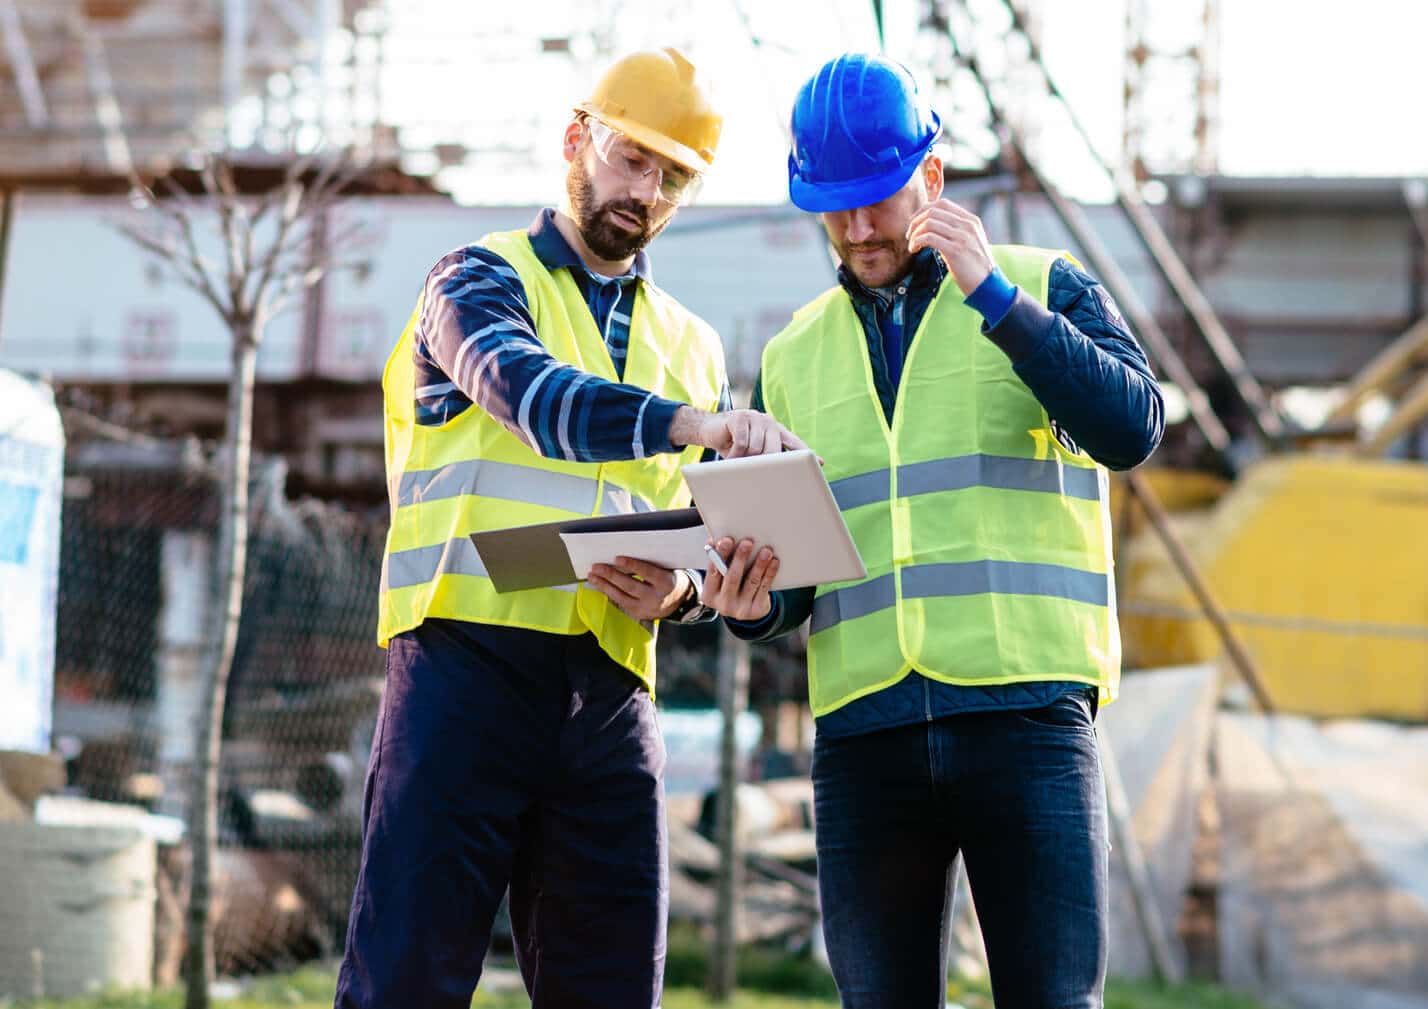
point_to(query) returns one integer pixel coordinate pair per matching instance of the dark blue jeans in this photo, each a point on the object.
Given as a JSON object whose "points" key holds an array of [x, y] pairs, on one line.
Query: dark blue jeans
{"points": [[1019, 795], [510, 757]]}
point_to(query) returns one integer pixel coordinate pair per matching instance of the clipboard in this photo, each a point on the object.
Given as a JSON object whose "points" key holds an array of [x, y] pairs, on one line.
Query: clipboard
{"points": [[781, 501], [533, 557]]}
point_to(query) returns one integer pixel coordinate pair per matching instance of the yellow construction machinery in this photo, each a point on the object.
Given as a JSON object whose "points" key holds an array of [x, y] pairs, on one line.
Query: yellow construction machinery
{"points": [[1318, 559]]}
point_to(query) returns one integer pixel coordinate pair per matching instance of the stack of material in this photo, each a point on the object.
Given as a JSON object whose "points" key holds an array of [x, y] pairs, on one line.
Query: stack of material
{"points": [[1319, 563], [1324, 892], [779, 892], [24, 777], [77, 908], [1159, 731], [1159, 734]]}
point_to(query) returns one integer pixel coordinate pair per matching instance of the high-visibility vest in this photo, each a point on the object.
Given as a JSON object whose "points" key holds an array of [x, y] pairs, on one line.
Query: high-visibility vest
{"points": [[987, 540], [471, 474]]}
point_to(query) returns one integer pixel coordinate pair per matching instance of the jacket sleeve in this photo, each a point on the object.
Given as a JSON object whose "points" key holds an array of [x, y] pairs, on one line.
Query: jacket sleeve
{"points": [[789, 607], [478, 338], [1079, 358]]}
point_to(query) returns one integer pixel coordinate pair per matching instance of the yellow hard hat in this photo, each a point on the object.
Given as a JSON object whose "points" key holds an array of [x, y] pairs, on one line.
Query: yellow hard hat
{"points": [[653, 98]]}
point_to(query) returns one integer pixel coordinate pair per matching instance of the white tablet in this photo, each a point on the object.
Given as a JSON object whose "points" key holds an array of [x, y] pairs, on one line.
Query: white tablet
{"points": [[781, 501]]}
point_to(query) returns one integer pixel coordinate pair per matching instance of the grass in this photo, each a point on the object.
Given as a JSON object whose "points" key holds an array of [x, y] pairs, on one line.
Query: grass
{"points": [[767, 980], [313, 989]]}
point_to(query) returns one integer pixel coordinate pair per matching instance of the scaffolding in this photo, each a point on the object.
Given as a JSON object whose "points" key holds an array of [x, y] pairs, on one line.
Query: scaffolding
{"points": [[1170, 110], [103, 86], [98, 87]]}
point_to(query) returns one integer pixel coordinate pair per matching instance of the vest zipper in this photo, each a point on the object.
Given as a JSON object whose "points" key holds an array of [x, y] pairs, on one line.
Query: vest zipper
{"points": [[926, 696]]}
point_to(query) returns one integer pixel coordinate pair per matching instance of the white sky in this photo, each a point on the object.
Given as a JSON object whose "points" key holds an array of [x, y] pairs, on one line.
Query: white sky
{"points": [[1323, 89]]}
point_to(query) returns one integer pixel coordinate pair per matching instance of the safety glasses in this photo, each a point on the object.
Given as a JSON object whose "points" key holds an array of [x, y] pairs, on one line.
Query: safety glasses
{"points": [[627, 158]]}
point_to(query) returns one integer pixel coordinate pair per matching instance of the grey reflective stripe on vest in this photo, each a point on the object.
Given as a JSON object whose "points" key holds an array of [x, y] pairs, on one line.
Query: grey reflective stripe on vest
{"points": [[960, 472], [510, 482], [853, 602], [1012, 578], [421, 565], [856, 491], [618, 501], [969, 578], [1050, 476]]}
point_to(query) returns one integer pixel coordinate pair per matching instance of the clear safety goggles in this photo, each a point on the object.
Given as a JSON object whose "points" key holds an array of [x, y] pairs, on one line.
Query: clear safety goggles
{"points": [[627, 158]]}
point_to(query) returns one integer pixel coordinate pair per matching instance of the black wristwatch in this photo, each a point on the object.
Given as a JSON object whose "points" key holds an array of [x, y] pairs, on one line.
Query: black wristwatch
{"points": [[689, 608]]}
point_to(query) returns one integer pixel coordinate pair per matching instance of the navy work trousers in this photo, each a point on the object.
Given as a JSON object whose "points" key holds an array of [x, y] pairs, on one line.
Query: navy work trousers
{"points": [[1019, 795], [510, 757]]}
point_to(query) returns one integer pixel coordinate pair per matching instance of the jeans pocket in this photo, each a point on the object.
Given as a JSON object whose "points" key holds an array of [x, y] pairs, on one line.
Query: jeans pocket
{"points": [[1069, 711]]}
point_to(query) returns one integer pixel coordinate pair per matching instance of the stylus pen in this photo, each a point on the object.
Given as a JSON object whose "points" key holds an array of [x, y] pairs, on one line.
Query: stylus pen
{"points": [[719, 564]]}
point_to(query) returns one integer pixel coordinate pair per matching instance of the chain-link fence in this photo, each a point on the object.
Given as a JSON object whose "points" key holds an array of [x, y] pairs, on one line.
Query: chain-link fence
{"points": [[139, 532], [135, 594]]}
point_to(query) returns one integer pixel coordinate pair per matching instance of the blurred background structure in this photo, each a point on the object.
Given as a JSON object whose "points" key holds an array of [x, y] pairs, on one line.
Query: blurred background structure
{"points": [[1267, 237]]}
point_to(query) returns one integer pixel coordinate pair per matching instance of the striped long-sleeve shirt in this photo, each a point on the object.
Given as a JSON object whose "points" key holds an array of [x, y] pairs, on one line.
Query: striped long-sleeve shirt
{"points": [[476, 343]]}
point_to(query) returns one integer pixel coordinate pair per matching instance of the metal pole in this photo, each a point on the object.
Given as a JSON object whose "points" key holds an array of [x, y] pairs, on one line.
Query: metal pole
{"points": [[1144, 321], [1162, 958], [22, 63], [1015, 231], [1398, 358], [1181, 557], [1167, 261], [733, 695], [326, 22], [235, 59], [7, 213], [1105, 265]]}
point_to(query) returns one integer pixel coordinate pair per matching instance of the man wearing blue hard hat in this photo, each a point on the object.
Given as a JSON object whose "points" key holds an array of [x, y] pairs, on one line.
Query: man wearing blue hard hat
{"points": [[968, 400]]}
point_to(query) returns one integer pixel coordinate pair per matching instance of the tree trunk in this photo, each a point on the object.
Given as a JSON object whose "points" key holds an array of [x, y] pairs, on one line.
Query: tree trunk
{"points": [[218, 660], [733, 696]]}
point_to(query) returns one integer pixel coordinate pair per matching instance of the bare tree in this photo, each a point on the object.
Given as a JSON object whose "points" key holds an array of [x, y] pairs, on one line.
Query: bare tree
{"points": [[273, 248]]}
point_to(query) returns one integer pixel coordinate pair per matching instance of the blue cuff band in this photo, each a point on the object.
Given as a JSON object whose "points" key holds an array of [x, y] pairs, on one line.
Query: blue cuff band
{"points": [[993, 298]]}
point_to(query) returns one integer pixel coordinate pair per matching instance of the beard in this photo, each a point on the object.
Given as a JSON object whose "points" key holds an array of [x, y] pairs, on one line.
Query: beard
{"points": [[890, 267], [895, 260], [603, 232]]}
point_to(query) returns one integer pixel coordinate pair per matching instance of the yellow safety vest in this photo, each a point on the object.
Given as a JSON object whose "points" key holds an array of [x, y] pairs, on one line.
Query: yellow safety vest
{"points": [[471, 474], [987, 542]]}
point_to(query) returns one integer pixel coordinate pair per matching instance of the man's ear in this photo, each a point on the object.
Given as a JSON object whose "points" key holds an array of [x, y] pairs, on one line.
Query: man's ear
{"points": [[573, 133], [932, 175]]}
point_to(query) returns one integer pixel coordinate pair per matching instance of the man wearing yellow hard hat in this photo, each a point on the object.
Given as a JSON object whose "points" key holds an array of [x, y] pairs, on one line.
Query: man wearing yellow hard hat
{"points": [[542, 376]]}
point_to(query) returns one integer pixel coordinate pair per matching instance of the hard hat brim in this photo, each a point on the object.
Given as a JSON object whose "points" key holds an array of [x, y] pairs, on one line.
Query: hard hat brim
{"points": [[681, 155], [831, 197]]}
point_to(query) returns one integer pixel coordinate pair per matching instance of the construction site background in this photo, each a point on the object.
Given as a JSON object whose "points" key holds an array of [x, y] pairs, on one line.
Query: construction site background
{"points": [[1265, 762]]}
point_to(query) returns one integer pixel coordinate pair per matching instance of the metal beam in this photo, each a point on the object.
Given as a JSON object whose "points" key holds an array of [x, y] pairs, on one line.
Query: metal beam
{"points": [[1142, 319], [1166, 260], [27, 79], [1395, 360], [299, 21], [106, 102], [7, 214], [1412, 410], [235, 55], [327, 19], [1104, 264]]}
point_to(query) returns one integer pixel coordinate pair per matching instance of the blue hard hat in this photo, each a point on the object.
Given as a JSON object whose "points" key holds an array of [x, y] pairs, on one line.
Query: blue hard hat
{"points": [[860, 129]]}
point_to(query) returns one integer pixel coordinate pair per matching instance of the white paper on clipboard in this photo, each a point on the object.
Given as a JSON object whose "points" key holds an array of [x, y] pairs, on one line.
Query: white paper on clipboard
{"points": [[669, 548]]}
